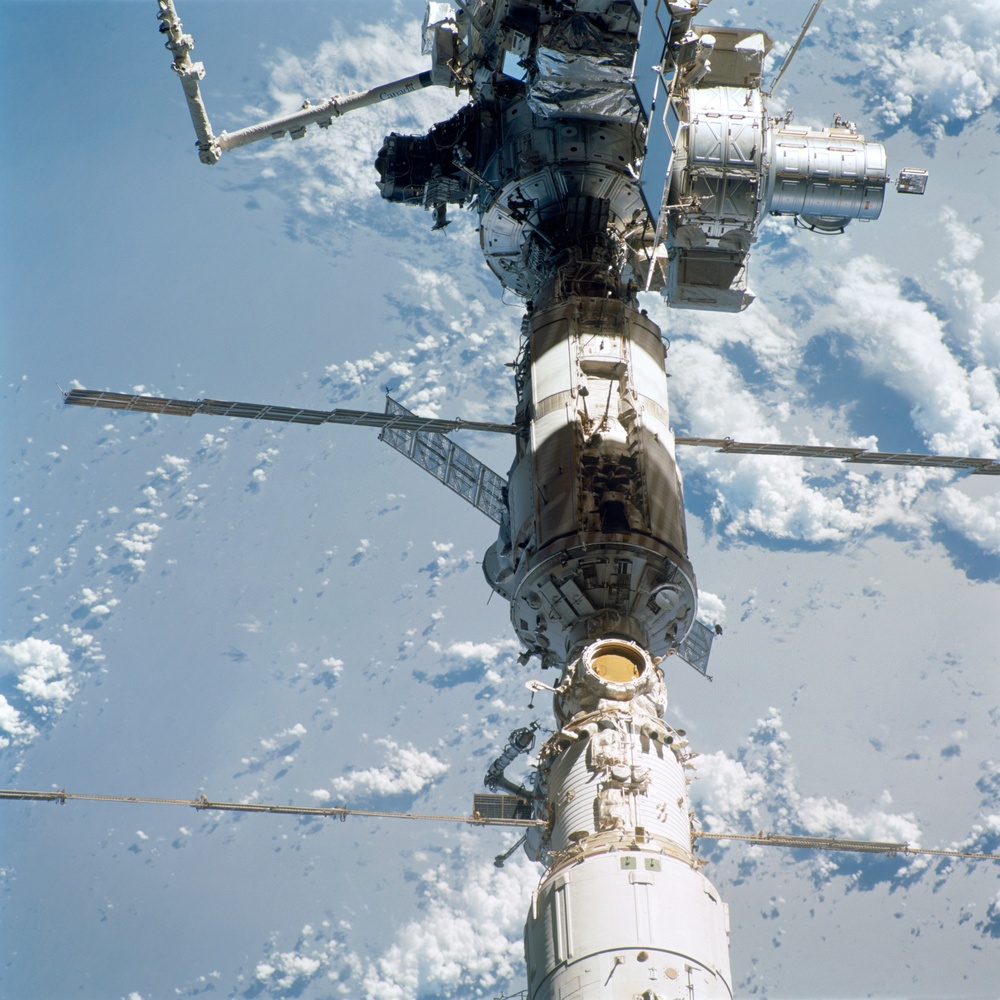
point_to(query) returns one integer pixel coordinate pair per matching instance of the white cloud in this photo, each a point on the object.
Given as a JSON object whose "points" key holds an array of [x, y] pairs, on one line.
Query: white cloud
{"points": [[975, 316], [758, 791], [939, 67], [955, 408], [44, 673], [333, 665], [825, 817], [468, 937], [744, 378], [978, 520], [279, 748], [285, 738], [711, 608], [484, 652], [460, 341], [265, 459], [407, 771], [465, 941], [17, 729], [725, 792], [772, 496], [138, 542], [285, 969], [444, 565]]}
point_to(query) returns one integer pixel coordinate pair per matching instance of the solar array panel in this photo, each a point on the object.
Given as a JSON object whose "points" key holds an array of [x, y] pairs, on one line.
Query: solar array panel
{"points": [[460, 471], [697, 647]]}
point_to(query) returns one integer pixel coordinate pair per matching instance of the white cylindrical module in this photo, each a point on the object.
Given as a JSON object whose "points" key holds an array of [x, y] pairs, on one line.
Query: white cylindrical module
{"points": [[620, 780], [599, 392], [596, 541], [628, 925], [717, 172], [623, 911]]}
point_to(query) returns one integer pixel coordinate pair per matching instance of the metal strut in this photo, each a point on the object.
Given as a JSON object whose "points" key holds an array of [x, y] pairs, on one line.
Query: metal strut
{"points": [[974, 466], [190, 73], [761, 839], [402, 420], [202, 803], [211, 147], [399, 418], [795, 48]]}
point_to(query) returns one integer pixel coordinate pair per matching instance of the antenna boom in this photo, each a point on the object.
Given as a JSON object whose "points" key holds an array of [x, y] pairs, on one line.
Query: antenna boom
{"points": [[786, 62], [283, 414], [974, 466]]}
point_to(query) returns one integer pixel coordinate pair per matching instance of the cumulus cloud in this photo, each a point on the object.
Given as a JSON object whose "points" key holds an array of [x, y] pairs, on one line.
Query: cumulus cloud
{"points": [[44, 674], [407, 771], [484, 664], [984, 837], [281, 739], [468, 937], [938, 70], [726, 794], [279, 749], [466, 940], [711, 608], [975, 315], [258, 474], [445, 564], [459, 342], [137, 541], [486, 653], [777, 497], [747, 377], [826, 817], [457, 337], [976, 519], [284, 969], [956, 408], [317, 956], [758, 790], [756, 494], [18, 731]]}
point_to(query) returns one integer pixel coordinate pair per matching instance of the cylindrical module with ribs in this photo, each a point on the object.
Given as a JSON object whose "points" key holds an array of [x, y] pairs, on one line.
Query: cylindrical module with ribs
{"points": [[596, 543], [623, 911]]}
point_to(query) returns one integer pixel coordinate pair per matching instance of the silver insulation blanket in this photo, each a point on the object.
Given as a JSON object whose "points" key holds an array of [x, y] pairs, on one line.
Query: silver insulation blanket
{"points": [[582, 72]]}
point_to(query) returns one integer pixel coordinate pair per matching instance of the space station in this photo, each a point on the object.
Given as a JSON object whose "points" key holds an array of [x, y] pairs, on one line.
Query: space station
{"points": [[609, 148]]}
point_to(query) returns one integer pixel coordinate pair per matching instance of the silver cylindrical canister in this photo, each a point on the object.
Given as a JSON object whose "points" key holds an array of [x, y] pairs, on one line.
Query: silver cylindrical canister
{"points": [[832, 174]]}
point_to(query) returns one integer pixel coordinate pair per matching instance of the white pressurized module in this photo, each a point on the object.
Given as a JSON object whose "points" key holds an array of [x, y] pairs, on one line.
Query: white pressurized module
{"points": [[623, 910]]}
